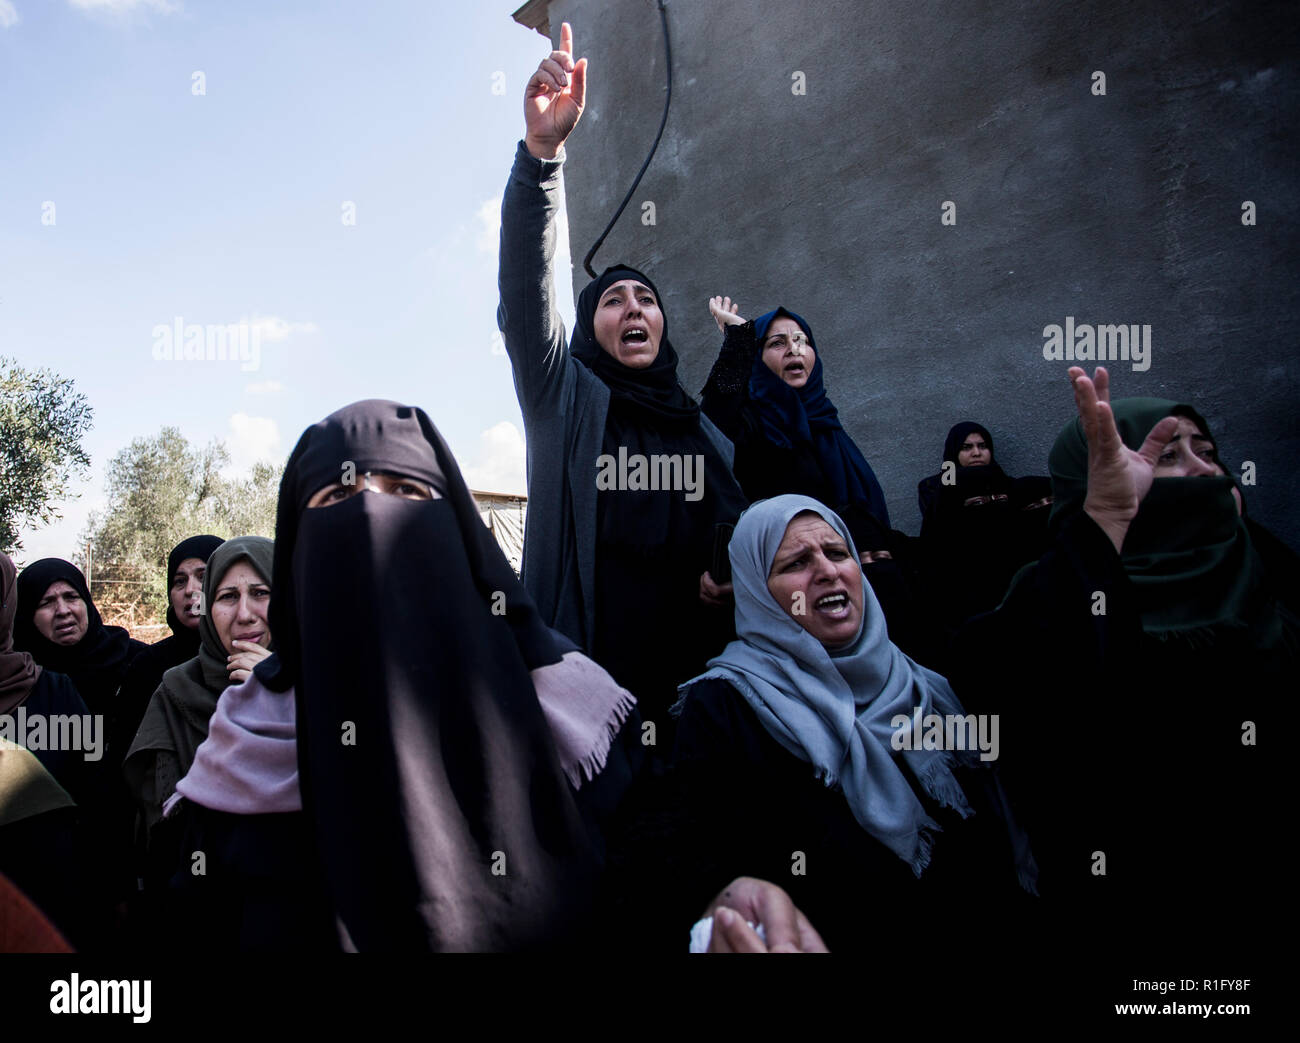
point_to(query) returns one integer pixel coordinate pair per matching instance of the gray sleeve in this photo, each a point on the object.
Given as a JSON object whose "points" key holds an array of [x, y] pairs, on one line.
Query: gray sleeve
{"points": [[530, 326]]}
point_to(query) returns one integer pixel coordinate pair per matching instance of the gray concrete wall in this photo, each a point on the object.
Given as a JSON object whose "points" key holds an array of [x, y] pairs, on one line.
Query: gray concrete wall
{"points": [[1117, 209]]}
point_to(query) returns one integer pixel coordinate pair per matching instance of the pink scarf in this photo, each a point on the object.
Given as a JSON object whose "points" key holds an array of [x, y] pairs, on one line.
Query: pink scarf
{"points": [[585, 708], [248, 764]]}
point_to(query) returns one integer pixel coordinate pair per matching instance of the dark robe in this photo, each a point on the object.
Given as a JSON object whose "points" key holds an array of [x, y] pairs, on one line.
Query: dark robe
{"points": [[261, 890], [53, 694], [978, 527], [51, 843], [652, 631], [1120, 743], [900, 585], [445, 822], [754, 808], [146, 670]]}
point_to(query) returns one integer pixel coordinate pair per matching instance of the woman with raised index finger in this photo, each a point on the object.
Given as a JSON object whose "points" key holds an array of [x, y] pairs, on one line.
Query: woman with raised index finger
{"points": [[616, 563]]}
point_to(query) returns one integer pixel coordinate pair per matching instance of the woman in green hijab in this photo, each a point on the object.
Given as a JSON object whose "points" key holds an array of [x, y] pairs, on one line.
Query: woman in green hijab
{"points": [[233, 637], [1133, 667]]}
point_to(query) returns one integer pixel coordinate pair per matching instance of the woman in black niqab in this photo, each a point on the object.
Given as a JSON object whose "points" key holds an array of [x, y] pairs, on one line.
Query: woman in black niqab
{"points": [[429, 776]]}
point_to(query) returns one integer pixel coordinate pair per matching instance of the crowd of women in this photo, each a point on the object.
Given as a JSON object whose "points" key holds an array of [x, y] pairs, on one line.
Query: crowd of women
{"points": [[689, 705]]}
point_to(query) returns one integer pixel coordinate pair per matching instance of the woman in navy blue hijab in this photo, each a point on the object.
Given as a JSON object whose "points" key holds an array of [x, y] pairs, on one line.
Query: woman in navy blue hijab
{"points": [[766, 394]]}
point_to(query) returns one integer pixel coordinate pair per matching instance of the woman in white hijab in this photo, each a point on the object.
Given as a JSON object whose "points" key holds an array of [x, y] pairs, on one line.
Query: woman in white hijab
{"points": [[819, 755]]}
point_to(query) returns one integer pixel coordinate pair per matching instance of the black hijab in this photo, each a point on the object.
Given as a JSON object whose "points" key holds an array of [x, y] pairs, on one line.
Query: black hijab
{"points": [[184, 639], [971, 532], [985, 481], [654, 392], [957, 437], [147, 669], [98, 661], [428, 773], [650, 415]]}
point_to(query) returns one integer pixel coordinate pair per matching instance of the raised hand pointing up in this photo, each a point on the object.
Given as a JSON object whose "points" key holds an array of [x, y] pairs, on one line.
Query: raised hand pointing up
{"points": [[554, 98], [1118, 477]]}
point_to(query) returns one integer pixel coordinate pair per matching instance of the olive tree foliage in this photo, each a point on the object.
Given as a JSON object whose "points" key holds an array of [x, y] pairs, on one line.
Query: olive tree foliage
{"points": [[161, 490], [42, 422]]}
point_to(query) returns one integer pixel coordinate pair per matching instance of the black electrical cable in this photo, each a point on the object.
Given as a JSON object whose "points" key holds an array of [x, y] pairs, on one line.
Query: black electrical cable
{"points": [[668, 97]]}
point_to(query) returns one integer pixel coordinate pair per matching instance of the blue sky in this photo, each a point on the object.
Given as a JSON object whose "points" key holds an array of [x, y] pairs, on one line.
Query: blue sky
{"points": [[228, 206]]}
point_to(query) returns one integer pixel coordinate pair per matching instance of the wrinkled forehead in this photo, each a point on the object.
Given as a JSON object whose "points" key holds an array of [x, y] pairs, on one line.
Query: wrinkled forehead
{"points": [[60, 588], [1189, 429], [782, 324], [240, 573], [627, 286], [189, 566], [807, 530]]}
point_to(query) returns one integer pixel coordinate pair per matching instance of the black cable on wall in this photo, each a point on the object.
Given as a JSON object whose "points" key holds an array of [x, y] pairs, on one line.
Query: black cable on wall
{"points": [[668, 98]]}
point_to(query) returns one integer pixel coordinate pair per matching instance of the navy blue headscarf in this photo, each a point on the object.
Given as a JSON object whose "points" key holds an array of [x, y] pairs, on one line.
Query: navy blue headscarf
{"points": [[805, 416]]}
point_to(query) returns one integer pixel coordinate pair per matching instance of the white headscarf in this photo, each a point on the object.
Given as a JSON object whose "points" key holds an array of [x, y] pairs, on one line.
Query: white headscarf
{"points": [[834, 709]]}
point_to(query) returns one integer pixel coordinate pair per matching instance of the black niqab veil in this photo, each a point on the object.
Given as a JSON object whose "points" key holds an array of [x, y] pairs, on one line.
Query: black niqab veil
{"points": [[428, 773], [96, 663]]}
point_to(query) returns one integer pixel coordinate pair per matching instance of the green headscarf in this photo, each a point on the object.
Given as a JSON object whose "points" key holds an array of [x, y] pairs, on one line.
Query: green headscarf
{"points": [[26, 787], [177, 719], [1188, 552]]}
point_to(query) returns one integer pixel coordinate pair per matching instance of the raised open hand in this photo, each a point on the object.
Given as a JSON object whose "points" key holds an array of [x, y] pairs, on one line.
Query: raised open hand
{"points": [[1118, 477], [725, 312], [554, 98]]}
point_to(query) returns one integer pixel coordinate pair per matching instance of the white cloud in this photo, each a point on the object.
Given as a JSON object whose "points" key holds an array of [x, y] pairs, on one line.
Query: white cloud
{"points": [[488, 217], [8, 14], [272, 328], [500, 465], [122, 7], [250, 439], [265, 387]]}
